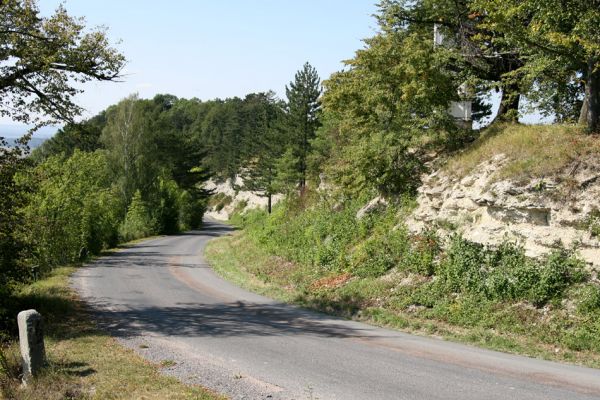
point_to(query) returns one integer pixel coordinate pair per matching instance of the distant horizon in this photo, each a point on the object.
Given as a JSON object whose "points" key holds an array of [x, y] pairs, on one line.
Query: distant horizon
{"points": [[224, 49], [15, 130]]}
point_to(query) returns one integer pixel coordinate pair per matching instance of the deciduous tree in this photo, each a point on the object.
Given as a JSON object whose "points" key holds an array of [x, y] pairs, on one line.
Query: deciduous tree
{"points": [[43, 58]]}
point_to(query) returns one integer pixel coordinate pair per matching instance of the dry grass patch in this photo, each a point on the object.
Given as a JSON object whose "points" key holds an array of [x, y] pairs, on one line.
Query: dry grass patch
{"points": [[534, 151], [85, 363], [331, 282]]}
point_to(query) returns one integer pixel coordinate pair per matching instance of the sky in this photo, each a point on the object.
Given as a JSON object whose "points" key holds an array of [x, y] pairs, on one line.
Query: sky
{"points": [[219, 48]]}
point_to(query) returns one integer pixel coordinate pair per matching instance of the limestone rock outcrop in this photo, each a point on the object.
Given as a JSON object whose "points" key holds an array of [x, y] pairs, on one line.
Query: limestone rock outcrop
{"points": [[240, 199], [540, 215]]}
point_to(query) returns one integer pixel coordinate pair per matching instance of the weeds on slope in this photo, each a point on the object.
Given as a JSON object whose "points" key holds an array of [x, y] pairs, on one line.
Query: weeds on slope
{"points": [[374, 269]]}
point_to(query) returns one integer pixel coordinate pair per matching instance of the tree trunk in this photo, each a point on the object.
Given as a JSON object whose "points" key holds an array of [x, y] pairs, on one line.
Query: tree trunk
{"points": [[269, 202], [590, 110], [509, 104]]}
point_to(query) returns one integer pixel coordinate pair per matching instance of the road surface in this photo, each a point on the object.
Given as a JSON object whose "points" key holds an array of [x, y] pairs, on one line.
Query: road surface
{"points": [[160, 298]]}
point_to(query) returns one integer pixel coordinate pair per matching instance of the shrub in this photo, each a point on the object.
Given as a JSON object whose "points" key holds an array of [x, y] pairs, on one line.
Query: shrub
{"points": [[73, 210], [138, 223], [506, 273], [589, 299]]}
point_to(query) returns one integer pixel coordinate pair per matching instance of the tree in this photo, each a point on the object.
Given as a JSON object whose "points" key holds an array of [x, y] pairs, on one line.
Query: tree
{"points": [[303, 107], [128, 138], [390, 107], [138, 222], [84, 136], [560, 38], [223, 132], [12, 245], [482, 56], [73, 210], [41, 61], [264, 116], [42, 58]]}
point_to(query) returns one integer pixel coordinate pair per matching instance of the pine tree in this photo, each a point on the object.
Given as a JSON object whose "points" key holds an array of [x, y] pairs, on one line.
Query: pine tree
{"points": [[303, 108]]}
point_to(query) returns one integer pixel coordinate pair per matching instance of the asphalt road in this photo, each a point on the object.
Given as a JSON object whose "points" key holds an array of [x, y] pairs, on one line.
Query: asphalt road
{"points": [[161, 299]]}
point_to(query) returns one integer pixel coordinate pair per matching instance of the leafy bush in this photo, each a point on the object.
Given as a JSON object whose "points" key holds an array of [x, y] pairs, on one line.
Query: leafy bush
{"points": [[589, 299], [164, 206], [138, 222], [506, 273], [73, 211]]}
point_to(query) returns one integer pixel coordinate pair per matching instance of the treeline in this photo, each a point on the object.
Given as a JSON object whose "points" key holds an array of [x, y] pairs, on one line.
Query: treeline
{"points": [[387, 112], [137, 169]]}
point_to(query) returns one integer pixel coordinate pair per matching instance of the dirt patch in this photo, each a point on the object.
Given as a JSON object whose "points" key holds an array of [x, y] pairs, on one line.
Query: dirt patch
{"points": [[331, 282]]}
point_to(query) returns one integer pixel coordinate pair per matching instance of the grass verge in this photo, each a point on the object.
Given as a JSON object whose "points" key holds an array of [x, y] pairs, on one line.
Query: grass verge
{"points": [[514, 327], [84, 362]]}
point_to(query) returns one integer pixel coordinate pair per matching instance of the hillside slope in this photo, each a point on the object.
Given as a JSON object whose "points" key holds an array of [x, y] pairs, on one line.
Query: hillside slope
{"points": [[499, 248], [537, 186], [229, 198]]}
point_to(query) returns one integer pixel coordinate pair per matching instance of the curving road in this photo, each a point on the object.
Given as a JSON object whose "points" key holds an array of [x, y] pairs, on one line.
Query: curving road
{"points": [[160, 298]]}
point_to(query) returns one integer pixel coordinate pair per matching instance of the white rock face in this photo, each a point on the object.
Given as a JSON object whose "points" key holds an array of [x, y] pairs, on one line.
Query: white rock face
{"points": [[252, 199], [377, 204], [541, 215]]}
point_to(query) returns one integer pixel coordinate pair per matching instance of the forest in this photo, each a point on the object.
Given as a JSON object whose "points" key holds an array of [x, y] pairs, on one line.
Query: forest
{"points": [[137, 169]]}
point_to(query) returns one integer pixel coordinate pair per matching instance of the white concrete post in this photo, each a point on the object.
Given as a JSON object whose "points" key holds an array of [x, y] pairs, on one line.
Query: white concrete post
{"points": [[31, 340]]}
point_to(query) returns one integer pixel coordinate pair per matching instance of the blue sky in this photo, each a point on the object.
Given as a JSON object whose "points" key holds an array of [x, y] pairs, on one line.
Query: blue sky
{"points": [[220, 48]]}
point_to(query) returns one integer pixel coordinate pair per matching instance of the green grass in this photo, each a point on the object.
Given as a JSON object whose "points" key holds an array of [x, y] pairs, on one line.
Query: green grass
{"points": [[84, 362], [534, 151], [373, 269], [551, 332]]}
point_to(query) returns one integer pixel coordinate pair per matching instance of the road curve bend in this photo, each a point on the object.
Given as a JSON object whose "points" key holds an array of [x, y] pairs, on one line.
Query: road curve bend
{"points": [[160, 298]]}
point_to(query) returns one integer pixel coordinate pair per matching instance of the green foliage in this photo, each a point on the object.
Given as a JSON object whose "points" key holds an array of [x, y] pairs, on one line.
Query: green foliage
{"points": [[42, 58], [593, 223], [128, 137], [561, 50], [288, 173], [74, 211], [303, 106], [138, 222], [505, 273], [390, 106], [166, 205], [316, 236], [335, 241], [12, 245], [261, 170], [84, 136]]}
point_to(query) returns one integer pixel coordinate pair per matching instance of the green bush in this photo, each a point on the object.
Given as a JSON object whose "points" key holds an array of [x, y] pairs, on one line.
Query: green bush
{"points": [[165, 206], [588, 299], [138, 222], [506, 273], [73, 211]]}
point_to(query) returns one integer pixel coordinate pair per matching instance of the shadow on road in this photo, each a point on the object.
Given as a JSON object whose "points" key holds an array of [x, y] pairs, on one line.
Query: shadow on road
{"points": [[214, 319], [222, 320]]}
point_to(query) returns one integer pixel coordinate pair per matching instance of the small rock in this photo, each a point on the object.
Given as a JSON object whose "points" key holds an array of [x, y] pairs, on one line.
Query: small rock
{"points": [[377, 204]]}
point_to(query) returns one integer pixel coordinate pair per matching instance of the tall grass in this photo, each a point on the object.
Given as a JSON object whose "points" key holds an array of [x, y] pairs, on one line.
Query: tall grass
{"points": [[533, 151]]}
